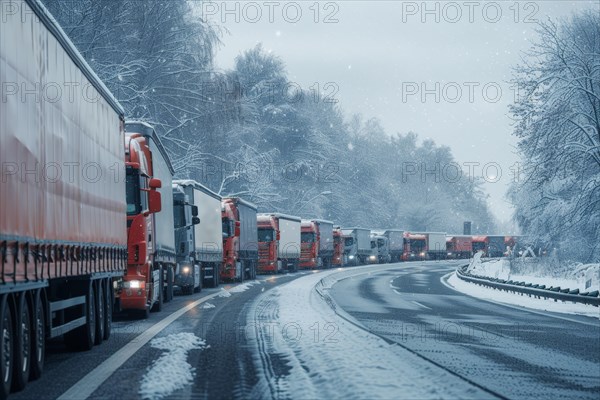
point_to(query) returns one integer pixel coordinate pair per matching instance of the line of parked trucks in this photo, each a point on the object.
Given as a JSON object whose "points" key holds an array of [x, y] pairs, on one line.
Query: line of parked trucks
{"points": [[92, 220]]}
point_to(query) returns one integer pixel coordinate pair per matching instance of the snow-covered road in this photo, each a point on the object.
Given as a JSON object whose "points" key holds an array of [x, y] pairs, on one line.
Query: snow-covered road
{"points": [[304, 349]]}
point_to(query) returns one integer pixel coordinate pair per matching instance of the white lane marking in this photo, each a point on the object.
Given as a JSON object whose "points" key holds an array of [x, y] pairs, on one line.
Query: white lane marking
{"points": [[422, 305], [444, 279], [92, 381]]}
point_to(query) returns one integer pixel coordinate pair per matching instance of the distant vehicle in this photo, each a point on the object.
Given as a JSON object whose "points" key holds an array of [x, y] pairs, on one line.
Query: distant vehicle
{"points": [[417, 246], [459, 246], [240, 239], [480, 243], [374, 256], [278, 243], [383, 252], [395, 243], [496, 246], [200, 249], [338, 248], [357, 245], [436, 245], [317, 244]]}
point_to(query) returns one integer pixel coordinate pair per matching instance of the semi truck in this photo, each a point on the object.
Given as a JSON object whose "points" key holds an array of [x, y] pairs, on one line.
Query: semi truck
{"points": [[459, 246], [185, 216], [62, 230], [395, 243], [151, 261], [417, 246], [338, 248], [436, 245], [278, 242], [382, 248], [316, 244], [357, 245], [480, 243], [200, 250], [496, 246], [240, 239]]}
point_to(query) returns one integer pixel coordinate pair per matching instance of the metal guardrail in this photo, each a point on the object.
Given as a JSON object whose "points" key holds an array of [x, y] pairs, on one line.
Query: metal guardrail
{"points": [[537, 291]]}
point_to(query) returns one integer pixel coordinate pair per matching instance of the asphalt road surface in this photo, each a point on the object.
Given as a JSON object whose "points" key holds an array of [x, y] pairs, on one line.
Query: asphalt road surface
{"points": [[509, 351], [505, 351]]}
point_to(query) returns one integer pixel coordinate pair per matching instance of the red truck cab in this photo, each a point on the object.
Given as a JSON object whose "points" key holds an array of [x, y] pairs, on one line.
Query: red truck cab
{"points": [[230, 269], [267, 244], [150, 238], [481, 243], [418, 246], [309, 248], [338, 248]]}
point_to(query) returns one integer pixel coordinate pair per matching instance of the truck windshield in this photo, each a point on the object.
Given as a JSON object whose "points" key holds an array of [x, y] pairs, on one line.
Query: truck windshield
{"points": [[307, 237], [132, 190], [417, 245], [348, 241], [380, 243], [373, 244], [266, 235]]}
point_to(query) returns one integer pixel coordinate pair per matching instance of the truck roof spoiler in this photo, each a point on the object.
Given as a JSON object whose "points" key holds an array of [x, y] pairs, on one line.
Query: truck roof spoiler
{"points": [[279, 215], [148, 131], [242, 201], [197, 186]]}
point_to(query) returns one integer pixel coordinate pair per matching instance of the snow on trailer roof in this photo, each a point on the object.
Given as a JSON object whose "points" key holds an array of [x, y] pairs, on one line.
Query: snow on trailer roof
{"points": [[321, 221], [148, 130], [55, 29], [279, 215], [242, 201], [197, 186], [356, 228]]}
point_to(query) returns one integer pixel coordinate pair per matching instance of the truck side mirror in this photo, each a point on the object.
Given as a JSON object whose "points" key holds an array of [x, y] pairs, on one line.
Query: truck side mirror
{"points": [[195, 212], [155, 183], [278, 236], [154, 201], [195, 220], [237, 230]]}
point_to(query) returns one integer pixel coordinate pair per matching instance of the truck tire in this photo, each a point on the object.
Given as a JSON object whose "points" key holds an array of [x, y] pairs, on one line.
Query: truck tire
{"points": [[169, 287], [157, 307], [22, 343], [109, 301], [38, 341], [84, 337], [100, 311], [6, 346]]}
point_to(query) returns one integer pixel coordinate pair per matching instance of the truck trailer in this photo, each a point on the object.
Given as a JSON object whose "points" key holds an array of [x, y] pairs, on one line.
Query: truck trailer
{"points": [[62, 228], [357, 245], [317, 244], [200, 250], [395, 243], [151, 259], [278, 242], [240, 239]]}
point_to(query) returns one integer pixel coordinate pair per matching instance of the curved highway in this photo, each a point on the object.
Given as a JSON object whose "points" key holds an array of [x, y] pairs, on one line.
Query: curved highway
{"points": [[508, 351]]}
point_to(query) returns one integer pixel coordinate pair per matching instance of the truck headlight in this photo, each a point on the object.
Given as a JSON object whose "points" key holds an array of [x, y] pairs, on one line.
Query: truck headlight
{"points": [[422, 254], [449, 254], [372, 257], [132, 284], [185, 270], [351, 257]]}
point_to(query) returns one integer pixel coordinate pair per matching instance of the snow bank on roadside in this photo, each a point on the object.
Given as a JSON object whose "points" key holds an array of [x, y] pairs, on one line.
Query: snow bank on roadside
{"points": [[171, 371], [585, 277], [488, 293], [493, 268], [304, 349]]}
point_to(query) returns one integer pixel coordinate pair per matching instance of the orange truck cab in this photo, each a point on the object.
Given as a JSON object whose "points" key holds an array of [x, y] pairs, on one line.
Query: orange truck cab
{"points": [[278, 242], [317, 244], [480, 243], [338, 248], [240, 240], [150, 239]]}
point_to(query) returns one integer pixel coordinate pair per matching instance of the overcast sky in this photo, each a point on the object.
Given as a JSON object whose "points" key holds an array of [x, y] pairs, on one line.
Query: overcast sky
{"points": [[434, 68]]}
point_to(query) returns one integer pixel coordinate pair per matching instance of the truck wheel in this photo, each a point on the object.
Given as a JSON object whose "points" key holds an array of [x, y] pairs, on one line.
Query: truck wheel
{"points": [[108, 308], [38, 340], [6, 347], [84, 337], [159, 303], [169, 288], [22, 343], [100, 311]]}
